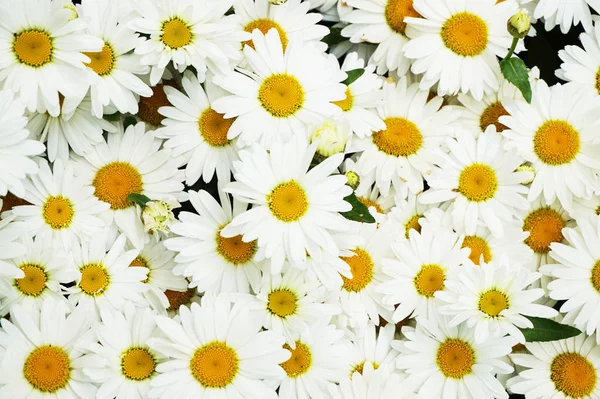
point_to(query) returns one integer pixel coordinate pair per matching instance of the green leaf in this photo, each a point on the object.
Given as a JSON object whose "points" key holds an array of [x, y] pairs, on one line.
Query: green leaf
{"points": [[515, 71], [359, 212], [353, 75], [113, 117], [545, 330], [139, 199], [334, 37]]}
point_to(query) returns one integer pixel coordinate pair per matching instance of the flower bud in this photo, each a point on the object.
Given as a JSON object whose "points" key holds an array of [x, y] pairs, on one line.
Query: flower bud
{"points": [[157, 217], [332, 137], [277, 2], [353, 179], [527, 168], [519, 24]]}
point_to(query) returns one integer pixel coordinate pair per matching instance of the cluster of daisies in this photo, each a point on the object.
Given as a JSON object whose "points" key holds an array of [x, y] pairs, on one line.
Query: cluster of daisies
{"points": [[301, 199]]}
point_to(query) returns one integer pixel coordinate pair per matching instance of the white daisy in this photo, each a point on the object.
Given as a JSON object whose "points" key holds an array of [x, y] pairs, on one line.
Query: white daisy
{"points": [[586, 208], [40, 353], [479, 177], [121, 363], [106, 281], [557, 134], [16, 149], [577, 275], [289, 304], [420, 269], [285, 91], [42, 53], [295, 209], [369, 384], [456, 44], [131, 162], [213, 262], [45, 274], [407, 215], [189, 33], [116, 84], [446, 362], [62, 211], [216, 351], [381, 22], [566, 13], [11, 246], [565, 369], [402, 153], [194, 129], [372, 349], [493, 299]]}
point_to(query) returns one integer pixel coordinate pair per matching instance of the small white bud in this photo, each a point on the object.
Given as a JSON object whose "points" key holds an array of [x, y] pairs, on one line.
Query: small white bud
{"points": [[332, 137], [519, 24], [157, 217]]}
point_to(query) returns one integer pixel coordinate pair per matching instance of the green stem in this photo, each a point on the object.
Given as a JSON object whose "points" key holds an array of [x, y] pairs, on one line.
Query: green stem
{"points": [[511, 51]]}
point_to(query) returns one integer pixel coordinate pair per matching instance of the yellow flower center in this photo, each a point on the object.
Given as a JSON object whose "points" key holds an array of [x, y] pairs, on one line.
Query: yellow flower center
{"points": [[214, 365], [545, 227], [102, 62], [346, 103], [264, 25], [33, 47], [47, 368], [491, 116], [360, 367], [429, 279], [58, 212], [596, 276], [288, 201], [94, 279], [148, 106], [401, 137], [34, 282], [282, 302], [281, 95], [137, 364], [396, 11], [115, 181], [597, 85], [455, 358], [492, 302], [361, 267], [176, 33], [412, 224], [573, 375], [234, 249], [478, 247], [478, 182], [178, 298], [299, 362], [556, 142], [214, 128], [465, 34], [368, 203]]}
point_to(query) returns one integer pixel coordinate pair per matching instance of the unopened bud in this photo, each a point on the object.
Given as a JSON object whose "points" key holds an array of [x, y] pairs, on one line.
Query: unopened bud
{"points": [[353, 179], [527, 168], [157, 217], [332, 137], [519, 24]]}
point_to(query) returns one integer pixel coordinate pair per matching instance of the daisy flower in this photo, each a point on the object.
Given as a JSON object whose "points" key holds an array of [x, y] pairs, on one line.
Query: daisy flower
{"points": [[407, 214], [371, 383], [585, 208], [286, 90], [582, 65], [455, 44], [493, 299], [288, 304], [45, 274], [479, 177], [62, 210], [40, 353], [121, 363], [291, 19], [444, 361], [43, 53], [295, 209], [16, 150], [11, 247], [189, 33], [372, 349], [420, 268], [216, 350], [565, 369], [194, 129], [117, 83], [314, 365], [557, 134], [106, 281], [76, 129], [402, 153], [381, 22], [131, 162], [566, 14], [211, 261], [577, 275]]}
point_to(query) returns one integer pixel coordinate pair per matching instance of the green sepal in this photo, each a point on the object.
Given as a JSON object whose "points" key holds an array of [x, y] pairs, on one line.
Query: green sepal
{"points": [[139, 199]]}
